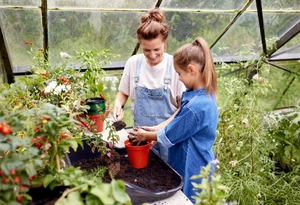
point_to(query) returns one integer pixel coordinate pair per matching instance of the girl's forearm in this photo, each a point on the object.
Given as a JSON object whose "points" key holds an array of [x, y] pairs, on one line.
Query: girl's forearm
{"points": [[151, 136]]}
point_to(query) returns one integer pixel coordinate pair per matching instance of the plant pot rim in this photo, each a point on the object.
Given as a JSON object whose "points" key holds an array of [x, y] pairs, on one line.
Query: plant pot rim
{"points": [[127, 143], [95, 100]]}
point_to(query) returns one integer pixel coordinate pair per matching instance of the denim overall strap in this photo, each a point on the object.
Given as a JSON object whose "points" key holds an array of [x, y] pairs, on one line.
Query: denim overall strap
{"points": [[153, 106], [167, 78], [138, 68]]}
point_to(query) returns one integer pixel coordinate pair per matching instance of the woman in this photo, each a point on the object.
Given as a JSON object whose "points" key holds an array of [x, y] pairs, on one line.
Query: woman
{"points": [[149, 79], [192, 132]]}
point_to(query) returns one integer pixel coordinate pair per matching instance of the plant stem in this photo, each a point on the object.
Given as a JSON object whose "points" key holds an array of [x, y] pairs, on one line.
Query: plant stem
{"points": [[68, 191], [56, 156]]}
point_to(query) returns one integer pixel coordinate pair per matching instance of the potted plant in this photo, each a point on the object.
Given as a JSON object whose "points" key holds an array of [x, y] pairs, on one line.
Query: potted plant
{"points": [[92, 81]]}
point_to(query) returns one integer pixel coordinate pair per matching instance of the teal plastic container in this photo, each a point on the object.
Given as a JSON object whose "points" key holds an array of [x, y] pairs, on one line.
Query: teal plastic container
{"points": [[97, 105]]}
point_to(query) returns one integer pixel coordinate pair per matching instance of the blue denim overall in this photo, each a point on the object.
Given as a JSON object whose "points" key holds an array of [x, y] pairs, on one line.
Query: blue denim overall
{"points": [[153, 106]]}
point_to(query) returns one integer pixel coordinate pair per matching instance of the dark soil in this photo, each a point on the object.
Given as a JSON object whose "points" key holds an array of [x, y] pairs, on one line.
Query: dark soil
{"points": [[119, 125], [156, 177], [112, 163]]}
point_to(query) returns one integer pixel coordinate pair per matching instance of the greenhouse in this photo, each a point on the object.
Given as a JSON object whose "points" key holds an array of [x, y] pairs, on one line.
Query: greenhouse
{"points": [[66, 95]]}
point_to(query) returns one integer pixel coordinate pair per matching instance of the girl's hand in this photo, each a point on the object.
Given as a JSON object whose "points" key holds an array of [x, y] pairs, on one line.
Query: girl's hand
{"points": [[138, 135], [149, 129]]}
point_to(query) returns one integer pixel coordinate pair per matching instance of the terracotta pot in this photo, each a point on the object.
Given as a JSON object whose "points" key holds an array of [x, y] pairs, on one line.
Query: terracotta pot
{"points": [[98, 122], [138, 155]]}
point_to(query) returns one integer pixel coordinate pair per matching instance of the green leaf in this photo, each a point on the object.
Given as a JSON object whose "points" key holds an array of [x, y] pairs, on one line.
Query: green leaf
{"points": [[73, 198], [118, 189], [4, 146], [30, 169], [73, 143], [92, 200], [48, 179], [103, 192], [6, 194]]}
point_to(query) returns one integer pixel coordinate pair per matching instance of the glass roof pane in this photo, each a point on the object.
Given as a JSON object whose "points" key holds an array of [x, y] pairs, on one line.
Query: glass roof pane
{"points": [[20, 2], [281, 5], [102, 4], [186, 26], [203, 4], [281, 80], [239, 40], [21, 28], [289, 49], [277, 24], [73, 30]]}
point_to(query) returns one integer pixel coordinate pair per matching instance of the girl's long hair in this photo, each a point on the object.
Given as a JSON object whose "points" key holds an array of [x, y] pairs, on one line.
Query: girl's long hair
{"points": [[198, 52]]}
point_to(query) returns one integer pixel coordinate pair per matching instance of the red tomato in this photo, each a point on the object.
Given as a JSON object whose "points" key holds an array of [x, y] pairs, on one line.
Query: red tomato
{"points": [[64, 135], [45, 118], [1, 173], [32, 177], [36, 129], [5, 180], [17, 179], [1, 126], [22, 187], [6, 130], [19, 198], [38, 144], [12, 172]]}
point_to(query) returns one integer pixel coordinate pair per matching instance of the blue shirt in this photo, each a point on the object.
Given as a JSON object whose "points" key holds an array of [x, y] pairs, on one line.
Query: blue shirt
{"points": [[191, 135]]}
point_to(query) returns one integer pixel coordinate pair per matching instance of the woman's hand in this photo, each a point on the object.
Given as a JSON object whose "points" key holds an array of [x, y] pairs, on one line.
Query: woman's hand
{"points": [[118, 113]]}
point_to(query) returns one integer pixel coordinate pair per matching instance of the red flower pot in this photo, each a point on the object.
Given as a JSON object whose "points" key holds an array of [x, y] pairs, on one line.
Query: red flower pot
{"points": [[98, 122], [138, 155]]}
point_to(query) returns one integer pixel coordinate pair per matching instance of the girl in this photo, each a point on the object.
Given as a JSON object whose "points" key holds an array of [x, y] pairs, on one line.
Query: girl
{"points": [[192, 132]]}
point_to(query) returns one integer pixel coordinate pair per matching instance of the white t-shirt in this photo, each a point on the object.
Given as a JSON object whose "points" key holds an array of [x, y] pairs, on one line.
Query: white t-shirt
{"points": [[150, 77]]}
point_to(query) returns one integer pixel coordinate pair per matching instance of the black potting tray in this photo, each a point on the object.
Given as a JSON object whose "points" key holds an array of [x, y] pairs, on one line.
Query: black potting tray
{"points": [[42, 196], [137, 194]]}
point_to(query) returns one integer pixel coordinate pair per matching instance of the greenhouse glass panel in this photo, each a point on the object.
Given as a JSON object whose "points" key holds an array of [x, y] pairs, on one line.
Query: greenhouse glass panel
{"points": [[23, 31], [73, 30], [289, 49], [206, 4], [186, 26], [284, 86], [277, 24], [281, 4], [96, 4], [240, 41], [20, 2]]}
